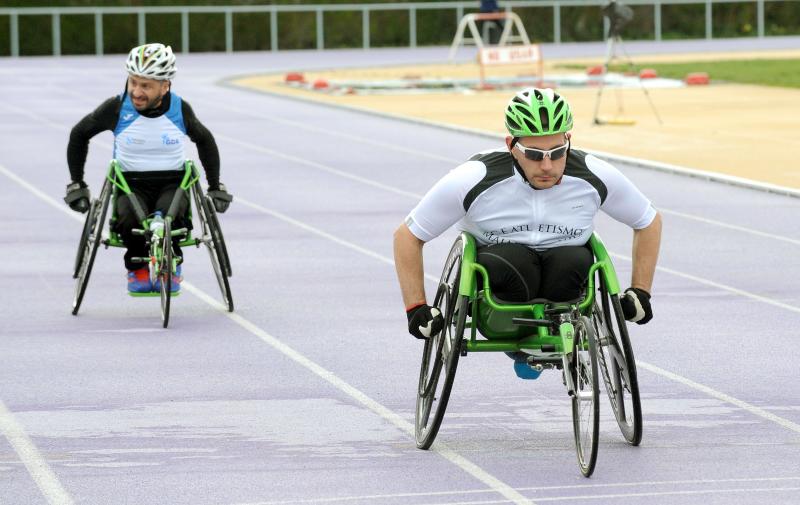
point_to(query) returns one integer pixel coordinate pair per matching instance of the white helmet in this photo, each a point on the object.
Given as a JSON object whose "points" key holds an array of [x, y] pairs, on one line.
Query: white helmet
{"points": [[152, 61]]}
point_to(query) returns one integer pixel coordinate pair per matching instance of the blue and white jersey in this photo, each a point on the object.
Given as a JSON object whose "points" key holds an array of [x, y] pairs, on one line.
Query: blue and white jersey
{"points": [[493, 202], [143, 144]]}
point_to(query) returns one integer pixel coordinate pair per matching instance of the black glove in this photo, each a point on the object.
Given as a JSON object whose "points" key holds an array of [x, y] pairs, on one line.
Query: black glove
{"points": [[636, 305], [78, 196], [221, 198], [424, 321]]}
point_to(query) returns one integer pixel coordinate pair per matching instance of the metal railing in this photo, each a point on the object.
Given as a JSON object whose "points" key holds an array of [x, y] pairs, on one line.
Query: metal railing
{"points": [[459, 8]]}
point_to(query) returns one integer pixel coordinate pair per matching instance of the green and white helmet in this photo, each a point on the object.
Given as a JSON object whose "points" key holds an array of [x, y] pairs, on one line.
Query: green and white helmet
{"points": [[534, 112], [152, 61]]}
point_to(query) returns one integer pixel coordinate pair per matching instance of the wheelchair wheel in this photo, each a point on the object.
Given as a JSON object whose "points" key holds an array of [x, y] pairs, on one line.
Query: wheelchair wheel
{"points": [[164, 273], [91, 236], [215, 243], [441, 352], [586, 400], [617, 365]]}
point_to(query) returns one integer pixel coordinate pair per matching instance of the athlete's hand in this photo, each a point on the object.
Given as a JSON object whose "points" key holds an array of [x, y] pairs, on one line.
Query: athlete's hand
{"points": [[636, 305], [78, 196], [424, 321], [221, 198]]}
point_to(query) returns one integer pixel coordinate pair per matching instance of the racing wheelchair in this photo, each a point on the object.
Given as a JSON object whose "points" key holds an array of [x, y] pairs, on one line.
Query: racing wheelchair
{"points": [[579, 338], [159, 239]]}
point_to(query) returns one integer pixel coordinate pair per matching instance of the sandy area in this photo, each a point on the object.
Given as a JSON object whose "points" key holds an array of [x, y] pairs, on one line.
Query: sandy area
{"points": [[747, 131]]}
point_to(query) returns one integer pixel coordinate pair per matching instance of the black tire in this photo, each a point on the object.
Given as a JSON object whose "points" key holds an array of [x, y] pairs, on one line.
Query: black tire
{"points": [[617, 365], [441, 352], [164, 274], [91, 236], [215, 243], [586, 400]]}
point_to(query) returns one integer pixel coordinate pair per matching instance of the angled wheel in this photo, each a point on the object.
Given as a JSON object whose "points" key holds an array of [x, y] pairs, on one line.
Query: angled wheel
{"points": [[617, 365], [441, 352], [215, 243], [91, 236], [164, 273], [586, 400]]}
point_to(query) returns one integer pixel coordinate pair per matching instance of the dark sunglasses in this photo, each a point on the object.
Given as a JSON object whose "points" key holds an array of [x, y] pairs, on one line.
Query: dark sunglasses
{"points": [[538, 155]]}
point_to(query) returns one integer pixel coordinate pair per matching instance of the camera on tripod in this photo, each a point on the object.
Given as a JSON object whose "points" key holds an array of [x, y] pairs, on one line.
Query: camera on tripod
{"points": [[618, 15]]}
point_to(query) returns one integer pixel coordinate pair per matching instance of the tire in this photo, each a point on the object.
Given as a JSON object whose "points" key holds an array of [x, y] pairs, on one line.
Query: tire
{"points": [[586, 400], [164, 273], [617, 365], [215, 243], [91, 236], [441, 352]]}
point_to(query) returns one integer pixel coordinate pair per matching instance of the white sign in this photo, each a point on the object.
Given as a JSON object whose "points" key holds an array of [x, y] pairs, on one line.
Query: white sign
{"points": [[509, 54]]}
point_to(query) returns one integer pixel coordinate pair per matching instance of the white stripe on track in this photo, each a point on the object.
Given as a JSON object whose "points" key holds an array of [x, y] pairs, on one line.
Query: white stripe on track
{"points": [[468, 466], [37, 466], [578, 487]]}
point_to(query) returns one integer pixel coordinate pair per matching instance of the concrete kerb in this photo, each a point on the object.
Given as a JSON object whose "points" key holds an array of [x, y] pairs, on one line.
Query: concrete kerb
{"points": [[612, 157]]}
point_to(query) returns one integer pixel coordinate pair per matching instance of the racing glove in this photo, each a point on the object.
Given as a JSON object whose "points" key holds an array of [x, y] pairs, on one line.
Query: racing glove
{"points": [[78, 196], [221, 198], [424, 321], [636, 305]]}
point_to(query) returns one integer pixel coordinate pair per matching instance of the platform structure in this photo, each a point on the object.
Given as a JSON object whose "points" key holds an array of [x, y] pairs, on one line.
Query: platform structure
{"points": [[468, 22]]}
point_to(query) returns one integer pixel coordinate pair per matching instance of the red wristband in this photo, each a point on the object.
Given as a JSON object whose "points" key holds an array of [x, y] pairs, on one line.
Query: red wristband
{"points": [[412, 307]]}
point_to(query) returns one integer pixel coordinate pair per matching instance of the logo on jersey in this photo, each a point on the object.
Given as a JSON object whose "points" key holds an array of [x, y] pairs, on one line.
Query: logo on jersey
{"points": [[131, 140], [167, 141], [127, 116]]}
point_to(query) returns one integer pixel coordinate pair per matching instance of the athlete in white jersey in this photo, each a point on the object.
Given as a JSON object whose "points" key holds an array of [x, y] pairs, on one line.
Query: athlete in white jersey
{"points": [[150, 125], [531, 207]]}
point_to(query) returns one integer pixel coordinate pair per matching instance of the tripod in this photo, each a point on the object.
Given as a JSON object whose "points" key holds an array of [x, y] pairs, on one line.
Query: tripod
{"points": [[614, 40]]}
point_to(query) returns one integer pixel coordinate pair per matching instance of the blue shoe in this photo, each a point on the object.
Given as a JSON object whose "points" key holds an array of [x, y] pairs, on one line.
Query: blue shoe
{"points": [[521, 366], [175, 286], [139, 281]]}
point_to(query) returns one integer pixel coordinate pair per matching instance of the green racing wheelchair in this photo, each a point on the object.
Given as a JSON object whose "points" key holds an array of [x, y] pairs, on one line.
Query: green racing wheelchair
{"points": [[163, 261], [585, 339]]}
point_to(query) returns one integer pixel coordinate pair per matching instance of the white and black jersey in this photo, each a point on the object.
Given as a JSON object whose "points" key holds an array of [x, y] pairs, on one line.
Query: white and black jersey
{"points": [[492, 201]]}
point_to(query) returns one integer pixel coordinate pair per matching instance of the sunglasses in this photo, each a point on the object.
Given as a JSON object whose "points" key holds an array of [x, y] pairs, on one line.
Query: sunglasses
{"points": [[538, 155]]}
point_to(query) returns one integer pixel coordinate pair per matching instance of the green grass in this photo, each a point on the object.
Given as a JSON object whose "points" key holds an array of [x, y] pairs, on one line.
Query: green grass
{"points": [[782, 73]]}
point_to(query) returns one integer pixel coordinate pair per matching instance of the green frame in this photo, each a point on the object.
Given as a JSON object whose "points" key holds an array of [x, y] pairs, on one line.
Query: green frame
{"points": [[494, 319], [117, 179]]}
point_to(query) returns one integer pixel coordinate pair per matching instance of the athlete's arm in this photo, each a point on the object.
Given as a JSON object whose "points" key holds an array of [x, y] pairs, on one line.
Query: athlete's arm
{"points": [[408, 262], [646, 243], [206, 145], [101, 119]]}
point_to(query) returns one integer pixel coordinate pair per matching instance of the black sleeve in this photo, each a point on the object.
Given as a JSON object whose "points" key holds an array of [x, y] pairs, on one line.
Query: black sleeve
{"points": [[101, 119], [206, 145]]}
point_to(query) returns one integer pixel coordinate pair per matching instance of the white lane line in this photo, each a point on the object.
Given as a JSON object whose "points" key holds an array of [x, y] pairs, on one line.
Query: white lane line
{"points": [[471, 468], [720, 286], [37, 466], [323, 234], [335, 133], [717, 394], [468, 466], [319, 166], [432, 494], [729, 226]]}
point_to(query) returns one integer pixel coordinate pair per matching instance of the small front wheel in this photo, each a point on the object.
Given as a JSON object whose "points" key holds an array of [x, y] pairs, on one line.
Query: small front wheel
{"points": [[586, 400], [164, 268]]}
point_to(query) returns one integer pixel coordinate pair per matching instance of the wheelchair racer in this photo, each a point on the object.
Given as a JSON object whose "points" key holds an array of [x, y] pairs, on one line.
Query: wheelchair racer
{"points": [[150, 124], [531, 208]]}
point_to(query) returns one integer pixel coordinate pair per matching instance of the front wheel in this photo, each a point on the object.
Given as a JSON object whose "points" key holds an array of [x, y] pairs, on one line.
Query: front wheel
{"points": [[586, 400], [441, 352], [165, 269]]}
